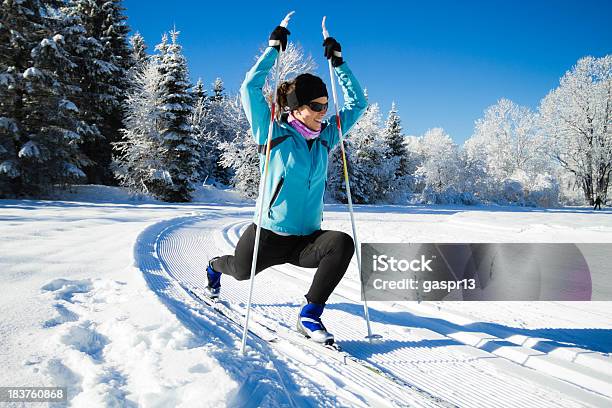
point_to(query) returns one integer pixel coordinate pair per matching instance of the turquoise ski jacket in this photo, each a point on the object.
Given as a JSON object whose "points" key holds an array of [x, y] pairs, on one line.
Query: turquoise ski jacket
{"points": [[297, 175]]}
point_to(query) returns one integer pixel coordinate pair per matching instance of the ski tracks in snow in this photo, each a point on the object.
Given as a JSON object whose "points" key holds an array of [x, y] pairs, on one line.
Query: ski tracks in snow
{"points": [[461, 366], [283, 376]]}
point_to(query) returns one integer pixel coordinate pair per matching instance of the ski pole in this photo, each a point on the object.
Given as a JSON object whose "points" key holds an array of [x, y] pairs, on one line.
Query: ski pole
{"points": [[262, 184], [366, 313]]}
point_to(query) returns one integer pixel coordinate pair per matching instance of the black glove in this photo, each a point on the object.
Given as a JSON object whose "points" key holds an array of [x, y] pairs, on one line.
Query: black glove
{"points": [[333, 51], [278, 38]]}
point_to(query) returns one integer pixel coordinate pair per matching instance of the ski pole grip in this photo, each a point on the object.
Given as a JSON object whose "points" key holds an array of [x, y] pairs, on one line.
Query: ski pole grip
{"points": [[285, 21], [325, 32]]}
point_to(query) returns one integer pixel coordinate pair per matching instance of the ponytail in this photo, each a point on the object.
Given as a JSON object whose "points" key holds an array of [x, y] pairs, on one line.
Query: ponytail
{"points": [[281, 96]]}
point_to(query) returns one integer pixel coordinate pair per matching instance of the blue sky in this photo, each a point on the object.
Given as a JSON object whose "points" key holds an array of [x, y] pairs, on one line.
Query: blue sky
{"points": [[442, 62]]}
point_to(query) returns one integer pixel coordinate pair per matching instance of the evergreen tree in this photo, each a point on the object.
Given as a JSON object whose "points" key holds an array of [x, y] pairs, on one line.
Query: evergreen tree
{"points": [[398, 154], [199, 91], [370, 173], [205, 137], [393, 134], [176, 106], [335, 190], [104, 79], [159, 152], [218, 89], [218, 128], [162, 49], [21, 25], [138, 55], [39, 123], [139, 161]]}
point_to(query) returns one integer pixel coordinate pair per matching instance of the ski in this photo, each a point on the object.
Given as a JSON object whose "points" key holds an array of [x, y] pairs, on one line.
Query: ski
{"points": [[228, 313], [274, 333]]}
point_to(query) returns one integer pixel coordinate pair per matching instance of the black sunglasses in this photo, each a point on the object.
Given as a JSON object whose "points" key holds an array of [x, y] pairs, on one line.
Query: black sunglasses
{"points": [[317, 107]]}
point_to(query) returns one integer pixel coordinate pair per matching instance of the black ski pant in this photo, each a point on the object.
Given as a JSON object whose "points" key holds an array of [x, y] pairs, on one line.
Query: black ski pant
{"points": [[328, 251]]}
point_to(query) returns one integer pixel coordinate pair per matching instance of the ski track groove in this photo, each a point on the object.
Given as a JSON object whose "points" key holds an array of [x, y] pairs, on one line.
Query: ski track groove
{"points": [[237, 228], [564, 354], [176, 292], [169, 245], [186, 252]]}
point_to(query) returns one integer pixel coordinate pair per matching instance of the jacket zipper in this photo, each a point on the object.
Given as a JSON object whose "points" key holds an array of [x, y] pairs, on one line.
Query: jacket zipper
{"points": [[312, 158], [310, 151], [275, 195]]}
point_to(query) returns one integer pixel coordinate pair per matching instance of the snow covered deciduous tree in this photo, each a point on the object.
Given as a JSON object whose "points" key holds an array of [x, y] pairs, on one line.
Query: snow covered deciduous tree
{"points": [[509, 139], [293, 63], [440, 170], [576, 118], [241, 155], [227, 129], [570, 188], [335, 190], [505, 149], [474, 177]]}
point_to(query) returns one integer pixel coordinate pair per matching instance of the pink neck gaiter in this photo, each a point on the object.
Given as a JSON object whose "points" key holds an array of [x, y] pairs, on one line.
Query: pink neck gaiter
{"points": [[302, 128]]}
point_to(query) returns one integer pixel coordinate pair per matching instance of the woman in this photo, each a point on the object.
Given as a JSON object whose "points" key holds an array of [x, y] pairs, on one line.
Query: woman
{"points": [[301, 142]]}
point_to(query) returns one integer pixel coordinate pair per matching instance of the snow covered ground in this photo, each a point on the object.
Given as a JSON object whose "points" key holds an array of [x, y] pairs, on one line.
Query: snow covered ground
{"points": [[91, 300]]}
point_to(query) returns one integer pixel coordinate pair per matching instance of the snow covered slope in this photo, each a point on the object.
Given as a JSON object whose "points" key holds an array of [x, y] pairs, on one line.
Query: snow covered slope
{"points": [[91, 300]]}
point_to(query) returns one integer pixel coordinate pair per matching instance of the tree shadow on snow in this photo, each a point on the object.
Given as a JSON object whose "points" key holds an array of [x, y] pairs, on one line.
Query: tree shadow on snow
{"points": [[592, 340], [599, 340]]}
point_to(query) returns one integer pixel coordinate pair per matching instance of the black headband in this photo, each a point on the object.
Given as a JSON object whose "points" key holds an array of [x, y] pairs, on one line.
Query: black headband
{"points": [[307, 88], [292, 100]]}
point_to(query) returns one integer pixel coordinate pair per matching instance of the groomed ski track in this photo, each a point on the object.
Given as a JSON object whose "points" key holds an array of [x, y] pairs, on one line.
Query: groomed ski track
{"points": [[422, 345]]}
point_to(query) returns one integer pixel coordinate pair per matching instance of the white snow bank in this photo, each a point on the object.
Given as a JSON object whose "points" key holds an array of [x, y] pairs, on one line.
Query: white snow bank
{"points": [[102, 194], [211, 194], [205, 194]]}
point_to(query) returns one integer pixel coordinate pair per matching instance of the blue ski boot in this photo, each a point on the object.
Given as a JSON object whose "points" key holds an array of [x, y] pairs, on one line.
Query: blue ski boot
{"points": [[310, 325], [213, 288]]}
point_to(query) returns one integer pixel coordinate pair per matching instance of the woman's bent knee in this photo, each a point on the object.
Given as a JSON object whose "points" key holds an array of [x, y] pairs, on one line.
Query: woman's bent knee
{"points": [[346, 243], [243, 273]]}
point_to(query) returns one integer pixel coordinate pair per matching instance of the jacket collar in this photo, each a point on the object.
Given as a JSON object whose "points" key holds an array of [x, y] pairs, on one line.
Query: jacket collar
{"points": [[285, 125]]}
